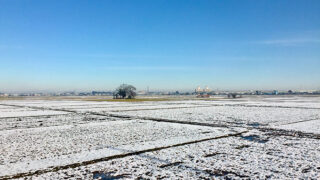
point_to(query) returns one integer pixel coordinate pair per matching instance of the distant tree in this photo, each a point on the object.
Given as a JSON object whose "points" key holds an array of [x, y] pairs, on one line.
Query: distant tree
{"points": [[125, 91], [232, 95]]}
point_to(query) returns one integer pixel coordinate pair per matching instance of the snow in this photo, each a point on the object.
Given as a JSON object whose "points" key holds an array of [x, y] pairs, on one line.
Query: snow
{"points": [[279, 138], [312, 126], [279, 158], [19, 112], [231, 114], [36, 148], [52, 120]]}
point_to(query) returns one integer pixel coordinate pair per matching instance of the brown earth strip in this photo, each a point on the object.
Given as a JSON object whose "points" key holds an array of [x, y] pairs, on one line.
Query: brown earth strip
{"points": [[291, 133], [170, 164]]}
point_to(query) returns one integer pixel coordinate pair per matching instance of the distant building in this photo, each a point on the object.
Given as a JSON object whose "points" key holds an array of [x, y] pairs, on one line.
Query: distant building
{"points": [[203, 96], [205, 90], [275, 92], [202, 93], [101, 93], [142, 92], [198, 90]]}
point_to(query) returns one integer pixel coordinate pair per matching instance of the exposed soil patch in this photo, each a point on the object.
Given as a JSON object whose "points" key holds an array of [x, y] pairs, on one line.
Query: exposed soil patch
{"points": [[282, 132], [170, 164], [218, 172], [108, 176], [206, 132], [254, 124], [306, 170], [255, 138], [213, 154], [242, 146]]}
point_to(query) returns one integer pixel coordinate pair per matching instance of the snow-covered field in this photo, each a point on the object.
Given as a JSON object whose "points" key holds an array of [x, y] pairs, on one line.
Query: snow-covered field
{"points": [[232, 114], [249, 138]]}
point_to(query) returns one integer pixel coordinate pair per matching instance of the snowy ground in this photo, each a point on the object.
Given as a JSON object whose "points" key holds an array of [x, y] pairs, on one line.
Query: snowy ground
{"points": [[249, 138]]}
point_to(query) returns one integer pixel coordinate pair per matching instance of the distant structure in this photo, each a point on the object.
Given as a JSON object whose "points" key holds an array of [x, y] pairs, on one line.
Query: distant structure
{"points": [[258, 93], [202, 93], [97, 93], [234, 95], [205, 90], [3, 94]]}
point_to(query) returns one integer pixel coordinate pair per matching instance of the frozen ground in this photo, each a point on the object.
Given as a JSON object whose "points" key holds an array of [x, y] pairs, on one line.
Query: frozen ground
{"points": [[250, 138]]}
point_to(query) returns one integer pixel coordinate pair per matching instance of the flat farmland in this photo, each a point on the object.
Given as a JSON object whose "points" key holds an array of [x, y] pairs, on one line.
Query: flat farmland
{"points": [[248, 138]]}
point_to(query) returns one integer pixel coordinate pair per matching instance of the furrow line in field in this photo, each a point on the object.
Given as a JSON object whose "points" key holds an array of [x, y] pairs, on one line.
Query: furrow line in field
{"points": [[266, 106], [162, 120], [35, 116], [143, 118], [291, 133], [302, 121], [159, 108], [41, 108]]}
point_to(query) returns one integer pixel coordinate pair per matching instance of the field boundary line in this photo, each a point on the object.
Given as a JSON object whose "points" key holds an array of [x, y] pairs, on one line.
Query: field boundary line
{"points": [[316, 119], [289, 133]]}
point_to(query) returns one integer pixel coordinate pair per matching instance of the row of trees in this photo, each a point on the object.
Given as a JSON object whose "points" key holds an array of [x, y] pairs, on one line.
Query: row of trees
{"points": [[125, 91]]}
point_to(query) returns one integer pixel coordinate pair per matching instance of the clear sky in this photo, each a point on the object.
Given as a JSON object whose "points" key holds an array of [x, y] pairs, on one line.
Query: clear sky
{"points": [[164, 44]]}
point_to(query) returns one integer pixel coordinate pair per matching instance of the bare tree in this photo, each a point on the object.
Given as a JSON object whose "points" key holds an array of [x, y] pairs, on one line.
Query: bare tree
{"points": [[125, 91]]}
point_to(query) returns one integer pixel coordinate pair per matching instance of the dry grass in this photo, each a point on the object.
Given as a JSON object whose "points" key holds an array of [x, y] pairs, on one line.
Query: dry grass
{"points": [[11, 98], [132, 100], [107, 98]]}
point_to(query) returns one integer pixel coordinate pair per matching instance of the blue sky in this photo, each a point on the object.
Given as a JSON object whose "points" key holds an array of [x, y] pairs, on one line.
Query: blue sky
{"points": [[163, 44]]}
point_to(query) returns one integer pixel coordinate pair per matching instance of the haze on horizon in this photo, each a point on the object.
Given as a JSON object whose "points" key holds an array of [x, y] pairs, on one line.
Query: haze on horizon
{"points": [[164, 44]]}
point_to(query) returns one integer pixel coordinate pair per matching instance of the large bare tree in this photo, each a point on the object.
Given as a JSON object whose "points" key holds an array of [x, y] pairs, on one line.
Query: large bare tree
{"points": [[125, 91]]}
